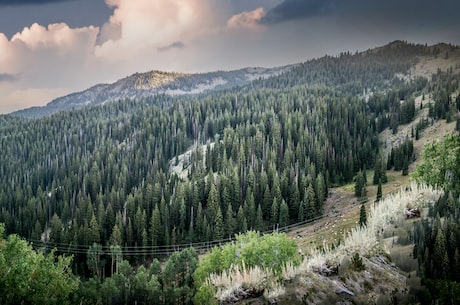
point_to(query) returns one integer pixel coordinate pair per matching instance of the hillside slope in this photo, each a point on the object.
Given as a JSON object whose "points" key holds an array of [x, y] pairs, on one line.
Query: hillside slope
{"points": [[155, 174], [143, 85]]}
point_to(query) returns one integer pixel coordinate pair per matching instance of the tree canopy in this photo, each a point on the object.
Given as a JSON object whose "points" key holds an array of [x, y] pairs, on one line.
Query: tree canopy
{"points": [[29, 277]]}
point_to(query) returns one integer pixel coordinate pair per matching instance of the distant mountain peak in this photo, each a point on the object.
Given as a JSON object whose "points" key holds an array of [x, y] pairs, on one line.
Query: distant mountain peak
{"points": [[155, 79]]}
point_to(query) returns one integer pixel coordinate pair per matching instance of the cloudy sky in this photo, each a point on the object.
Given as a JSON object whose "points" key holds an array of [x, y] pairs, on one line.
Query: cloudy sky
{"points": [[49, 48]]}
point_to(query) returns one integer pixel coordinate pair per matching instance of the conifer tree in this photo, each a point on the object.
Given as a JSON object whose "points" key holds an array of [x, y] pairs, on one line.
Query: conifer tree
{"points": [[359, 185], [213, 203], [94, 235], [405, 167], [56, 229], [377, 171], [283, 213], [440, 255], [275, 211], [362, 216], [379, 190], [311, 203], [302, 210], [259, 223], [229, 222], [155, 227], [219, 229], [240, 220]]}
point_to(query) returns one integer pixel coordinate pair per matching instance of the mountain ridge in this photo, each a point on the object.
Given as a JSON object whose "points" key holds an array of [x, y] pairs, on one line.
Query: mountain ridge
{"points": [[151, 83]]}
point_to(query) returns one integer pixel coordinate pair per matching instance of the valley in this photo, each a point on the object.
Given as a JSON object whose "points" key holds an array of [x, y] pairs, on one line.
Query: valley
{"points": [[126, 177]]}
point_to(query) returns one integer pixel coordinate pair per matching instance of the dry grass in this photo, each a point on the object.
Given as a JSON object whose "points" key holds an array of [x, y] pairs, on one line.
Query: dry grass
{"points": [[274, 291], [239, 281], [289, 271], [367, 241]]}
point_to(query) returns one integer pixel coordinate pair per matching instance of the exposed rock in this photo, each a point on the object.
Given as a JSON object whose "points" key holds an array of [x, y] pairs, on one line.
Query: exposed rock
{"points": [[340, 288]]}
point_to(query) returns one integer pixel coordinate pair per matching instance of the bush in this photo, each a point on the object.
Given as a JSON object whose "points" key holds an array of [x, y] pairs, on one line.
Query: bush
{"points": [[250, 251], [357, 262]]}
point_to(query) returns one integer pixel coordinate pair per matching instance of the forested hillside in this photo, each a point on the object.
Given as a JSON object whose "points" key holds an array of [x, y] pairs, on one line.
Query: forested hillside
{"points": [[98, 182]]}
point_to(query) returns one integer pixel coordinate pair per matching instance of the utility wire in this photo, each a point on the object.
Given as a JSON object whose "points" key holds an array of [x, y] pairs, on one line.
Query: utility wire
{"points": [[201, 247]]}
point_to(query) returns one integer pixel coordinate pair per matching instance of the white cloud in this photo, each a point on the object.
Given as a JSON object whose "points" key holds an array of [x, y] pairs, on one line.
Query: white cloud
{"points": [[179, 35], [46, 57], [146, 25], [57, 56], [247, 20]]}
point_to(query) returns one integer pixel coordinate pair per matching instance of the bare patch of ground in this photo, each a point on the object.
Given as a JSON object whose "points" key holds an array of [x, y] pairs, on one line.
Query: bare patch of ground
{"points": [[180, 165], [448, 58]]}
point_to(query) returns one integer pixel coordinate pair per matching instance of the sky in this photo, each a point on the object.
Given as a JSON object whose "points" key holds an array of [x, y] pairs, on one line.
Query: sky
{"points": [[50, 48]]}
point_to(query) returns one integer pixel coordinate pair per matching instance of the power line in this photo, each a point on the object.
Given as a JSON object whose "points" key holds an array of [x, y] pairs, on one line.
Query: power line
{"points": [[201, 247]]}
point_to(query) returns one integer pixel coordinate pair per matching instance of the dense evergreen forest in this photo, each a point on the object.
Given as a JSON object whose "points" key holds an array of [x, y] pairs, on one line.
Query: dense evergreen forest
{"points": [[98, 182]]}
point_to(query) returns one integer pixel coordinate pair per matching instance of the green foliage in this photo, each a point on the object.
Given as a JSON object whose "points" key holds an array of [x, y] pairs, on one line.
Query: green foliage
{"points": [[401, 156], [177, 276], [306, 126], [360, 185], [103, 174], [94, 261], [270, 251], [28, 277], [205, 296], [437, 251], [362, 216], [440, 166], [357, 262], [142, 285]]}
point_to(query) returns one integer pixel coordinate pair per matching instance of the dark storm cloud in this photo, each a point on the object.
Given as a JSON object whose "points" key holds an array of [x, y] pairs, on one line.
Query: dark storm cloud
{"points": [[405, 11], [17, 14], [174, 45], [29, 2], [5, 77], [299, 9]]}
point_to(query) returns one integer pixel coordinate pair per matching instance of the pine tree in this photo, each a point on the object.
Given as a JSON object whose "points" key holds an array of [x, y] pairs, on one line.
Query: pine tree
{"points": [[267, 202], [311, 203], [200, 226], [250, 208], [359, 185], [155, 227], [115, 237], [129, 233], [229, 222], [219, 230], [94, 235], [302, 210], [362, 216], [294, 198], [259, 223], [405, 167], [240, 220], [274, 211], [56, 229], [213, 203], [284, 214], [377, 171], [379, 190], [440, 257], [321, 191]]}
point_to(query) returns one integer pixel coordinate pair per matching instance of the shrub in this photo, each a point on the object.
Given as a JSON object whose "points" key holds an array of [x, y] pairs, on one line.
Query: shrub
{"points": [[357, 262], [230, 265]]}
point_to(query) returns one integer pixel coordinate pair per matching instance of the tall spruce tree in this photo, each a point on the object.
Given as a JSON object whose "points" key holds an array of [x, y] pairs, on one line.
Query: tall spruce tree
{"points": [[362, 215]]}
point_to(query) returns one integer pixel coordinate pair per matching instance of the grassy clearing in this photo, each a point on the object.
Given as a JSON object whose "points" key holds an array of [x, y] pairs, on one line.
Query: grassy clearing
{"points": [[367, 241]]}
